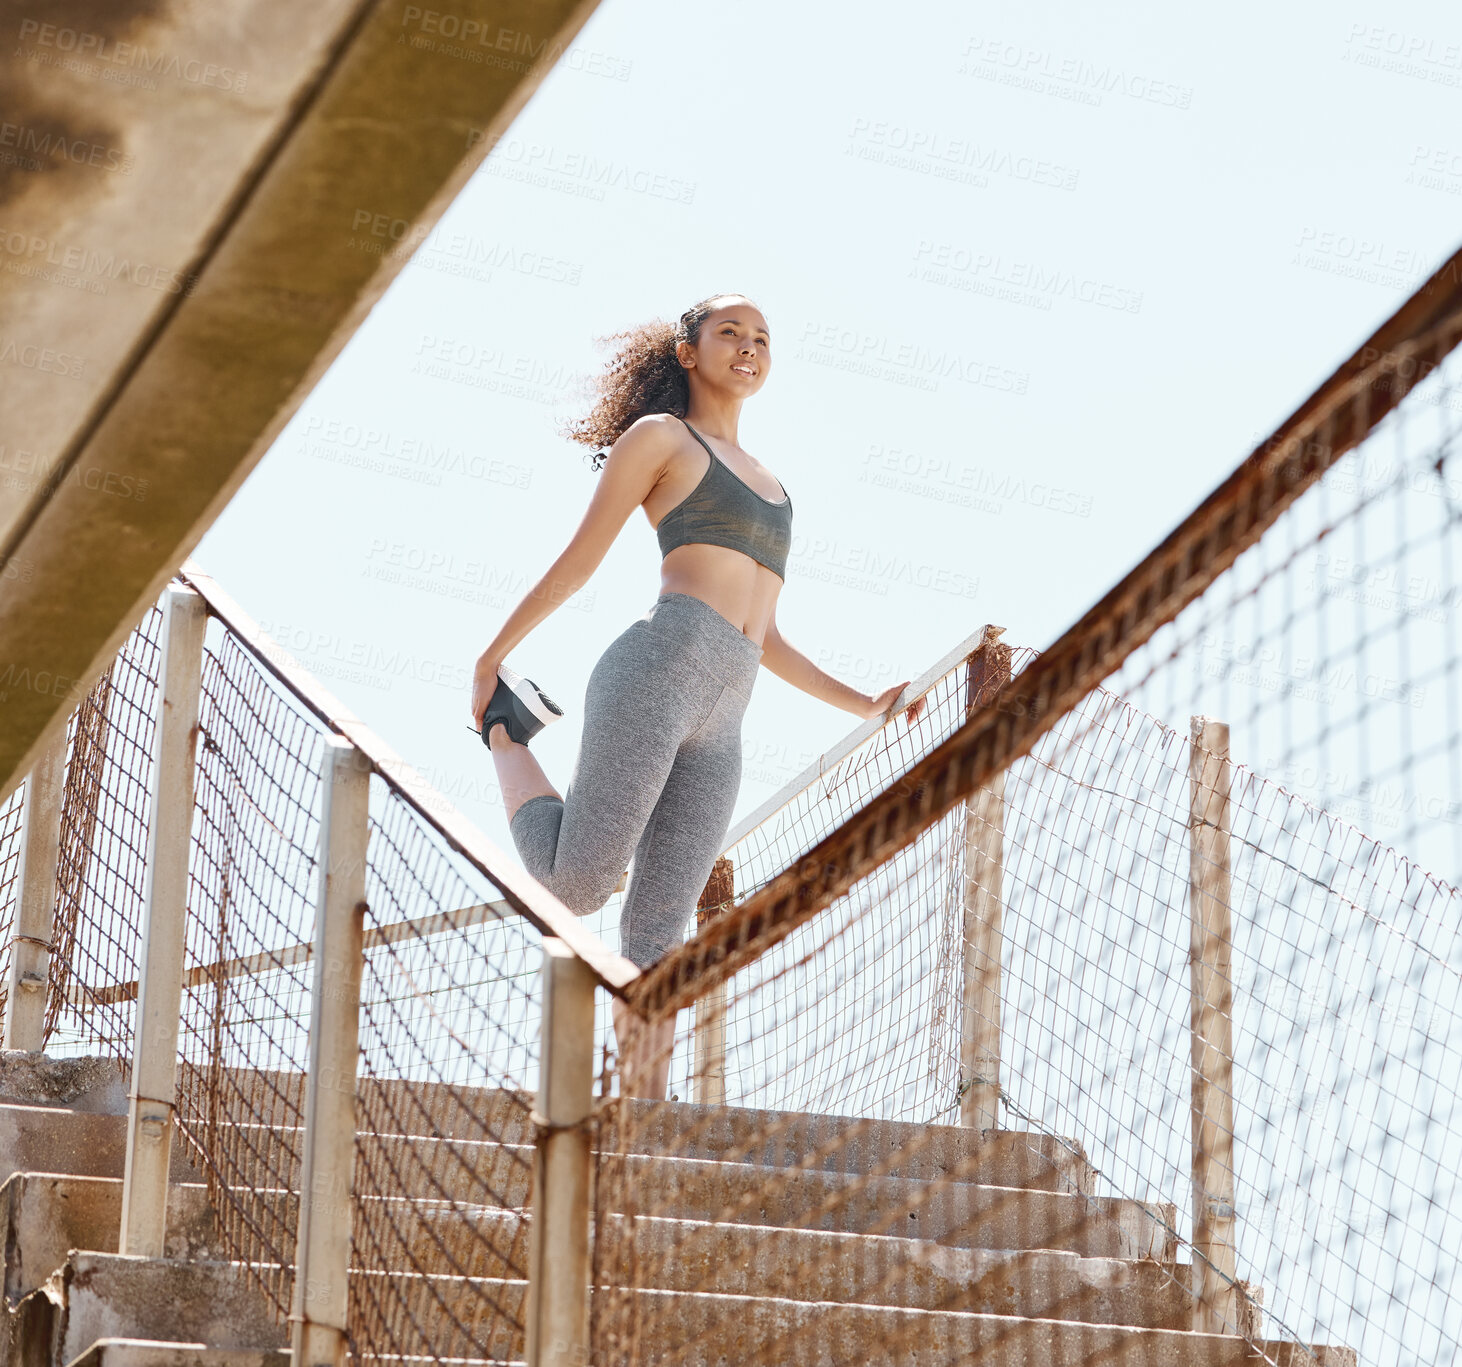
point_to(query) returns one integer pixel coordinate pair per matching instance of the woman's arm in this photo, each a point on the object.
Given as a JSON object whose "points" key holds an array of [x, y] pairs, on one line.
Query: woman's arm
{"points": [[787, 662], [635, 462]]}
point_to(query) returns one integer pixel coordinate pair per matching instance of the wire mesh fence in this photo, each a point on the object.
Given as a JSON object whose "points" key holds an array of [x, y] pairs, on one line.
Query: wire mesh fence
{"points": [[445, 1134], [825, 1172], [449, 1024], [12, 814], [102, 858], [1218, 1021], [449, 1007], [1331, 646], [1343, 1128], [248, 975], [1335, 1114]]}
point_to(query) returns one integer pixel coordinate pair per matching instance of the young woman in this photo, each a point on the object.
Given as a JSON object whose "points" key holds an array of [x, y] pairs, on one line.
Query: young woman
{"points": [[659, 764]]}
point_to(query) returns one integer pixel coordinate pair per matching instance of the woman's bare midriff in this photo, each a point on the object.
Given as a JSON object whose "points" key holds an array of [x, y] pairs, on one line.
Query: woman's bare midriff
{"points": [[741, 589]]}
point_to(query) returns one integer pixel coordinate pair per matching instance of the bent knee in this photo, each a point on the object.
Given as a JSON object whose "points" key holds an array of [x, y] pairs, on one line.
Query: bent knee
{"points": [[582, 891], [645, 939], [582, 884]]}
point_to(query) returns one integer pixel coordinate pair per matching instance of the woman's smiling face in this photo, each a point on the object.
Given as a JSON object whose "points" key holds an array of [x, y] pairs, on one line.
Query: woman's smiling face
{"points": [[734, 352]]}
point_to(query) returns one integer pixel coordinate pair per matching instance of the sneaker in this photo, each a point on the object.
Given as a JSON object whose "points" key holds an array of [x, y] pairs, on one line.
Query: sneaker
{"points": [[520, 705]]}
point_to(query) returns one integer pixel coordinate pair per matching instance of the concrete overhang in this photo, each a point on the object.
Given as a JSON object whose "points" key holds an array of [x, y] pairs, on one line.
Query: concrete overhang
{"points": [[180, 183]]}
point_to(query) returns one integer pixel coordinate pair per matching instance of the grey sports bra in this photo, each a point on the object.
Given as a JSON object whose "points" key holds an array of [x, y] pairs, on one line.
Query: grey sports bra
{"points": [[724, 510]]}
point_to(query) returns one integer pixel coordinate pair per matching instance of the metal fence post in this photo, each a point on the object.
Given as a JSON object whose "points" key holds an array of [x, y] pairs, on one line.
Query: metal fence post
{"points": [[986, 672], [1211, 1019], [30, 944], [557, 1318], [153, 1090], [322, 1261], [710, 1010]]}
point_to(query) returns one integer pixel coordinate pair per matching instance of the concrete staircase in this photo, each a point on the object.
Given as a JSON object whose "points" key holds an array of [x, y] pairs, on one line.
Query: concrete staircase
{"points": [[829, 1240]]}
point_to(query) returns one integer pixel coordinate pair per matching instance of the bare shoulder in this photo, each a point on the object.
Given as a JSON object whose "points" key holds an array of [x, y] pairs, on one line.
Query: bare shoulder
{"points": [[653, 432], [646, 448]]}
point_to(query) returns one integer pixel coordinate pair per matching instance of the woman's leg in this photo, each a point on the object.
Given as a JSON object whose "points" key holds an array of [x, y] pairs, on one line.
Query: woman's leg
{"points": [[643, 696], [519, 774], [672, 862]]}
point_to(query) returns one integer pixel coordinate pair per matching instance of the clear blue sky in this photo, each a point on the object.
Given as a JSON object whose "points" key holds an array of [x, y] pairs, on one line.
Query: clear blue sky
{"points": [[1036, 282]]}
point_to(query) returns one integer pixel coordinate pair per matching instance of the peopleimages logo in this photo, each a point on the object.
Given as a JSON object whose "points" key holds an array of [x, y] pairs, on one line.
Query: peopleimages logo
{"points": [[873, 569], [903, 362], [933, 151], [42, 358], [53, 146], [1072, 78], [1014, 280], [416, 459], [485, 43], [944, 480], [52, 41], [44, 258]]}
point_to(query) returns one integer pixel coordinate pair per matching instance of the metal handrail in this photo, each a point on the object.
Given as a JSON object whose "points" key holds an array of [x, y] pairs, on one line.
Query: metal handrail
{"points": [[521, 891]]}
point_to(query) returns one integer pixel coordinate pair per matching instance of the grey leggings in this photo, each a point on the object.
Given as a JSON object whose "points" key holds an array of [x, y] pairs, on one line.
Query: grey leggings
{"points": [[657, 774]]}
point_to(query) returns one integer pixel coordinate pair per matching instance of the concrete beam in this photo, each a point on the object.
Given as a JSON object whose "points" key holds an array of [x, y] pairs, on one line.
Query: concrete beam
{"points": [[187, 265]]}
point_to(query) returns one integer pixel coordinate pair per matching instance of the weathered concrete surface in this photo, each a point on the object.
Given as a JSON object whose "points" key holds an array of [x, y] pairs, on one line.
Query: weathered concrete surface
{"points": [[734, 1134], [86, 1144], [726, 1329], [892, 1148], [730, 1329], [78, 1084], [106, 1295], [43, 1217], [143, 1353], [806, 1265], [186, 271], [26, 1332], [958, 1215], [422, 1165], [788, 1266]]}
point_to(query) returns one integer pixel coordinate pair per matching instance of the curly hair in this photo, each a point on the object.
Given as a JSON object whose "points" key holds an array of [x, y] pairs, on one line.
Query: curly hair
{"points": [[644, 375]]}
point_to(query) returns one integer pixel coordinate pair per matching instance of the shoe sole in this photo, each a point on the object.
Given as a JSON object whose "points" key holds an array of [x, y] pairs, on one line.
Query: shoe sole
{"points": [[542, 707]]}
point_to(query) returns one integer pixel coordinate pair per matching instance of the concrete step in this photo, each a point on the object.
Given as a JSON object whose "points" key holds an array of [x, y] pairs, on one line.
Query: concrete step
{"points": [[849, 1269], [78, 1084], [435, 1237], [43, 1216], [847, 1144], [86, 1144], [701, 1328], [51, 1215], [807, 1265], [119, 1352], [451, 1318], [424, 1165], [101, 1296], [960, 1214], [963, 1214], [727, 1133]]}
